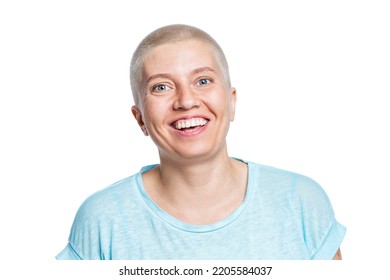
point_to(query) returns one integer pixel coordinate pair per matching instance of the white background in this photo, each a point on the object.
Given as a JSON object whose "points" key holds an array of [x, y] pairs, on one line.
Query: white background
{"points": [[312, 80]]}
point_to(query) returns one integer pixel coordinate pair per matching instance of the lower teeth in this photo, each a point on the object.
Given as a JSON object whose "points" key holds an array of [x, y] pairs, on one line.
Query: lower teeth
{"points": [[190, 128]]}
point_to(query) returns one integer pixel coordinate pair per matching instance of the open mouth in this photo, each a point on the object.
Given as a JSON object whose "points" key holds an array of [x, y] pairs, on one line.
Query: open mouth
{"points": [[189, 124]]}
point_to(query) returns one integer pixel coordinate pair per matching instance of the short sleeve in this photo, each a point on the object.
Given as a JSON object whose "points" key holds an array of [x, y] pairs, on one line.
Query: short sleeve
{"points": [[90, 229], [331, 242], [323, 234], [68, 254]]}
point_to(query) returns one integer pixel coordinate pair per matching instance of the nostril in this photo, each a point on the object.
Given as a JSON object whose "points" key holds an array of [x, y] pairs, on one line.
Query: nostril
{"points": [[186, 99]]}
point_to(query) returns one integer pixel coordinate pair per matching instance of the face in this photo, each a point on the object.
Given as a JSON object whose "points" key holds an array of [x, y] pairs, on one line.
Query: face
{"points": [[185, 105]]}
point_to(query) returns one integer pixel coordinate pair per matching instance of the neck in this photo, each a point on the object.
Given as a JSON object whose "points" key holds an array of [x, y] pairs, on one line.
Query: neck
{"points": [[200, 192], [196, 175]]}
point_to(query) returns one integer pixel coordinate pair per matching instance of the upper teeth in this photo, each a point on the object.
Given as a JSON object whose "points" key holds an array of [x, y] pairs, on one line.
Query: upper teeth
{"points": [[190, 123]]}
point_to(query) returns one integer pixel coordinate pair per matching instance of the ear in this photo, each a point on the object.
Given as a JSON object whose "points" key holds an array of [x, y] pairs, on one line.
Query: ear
{"points": [[233, 99], [138, 117]]}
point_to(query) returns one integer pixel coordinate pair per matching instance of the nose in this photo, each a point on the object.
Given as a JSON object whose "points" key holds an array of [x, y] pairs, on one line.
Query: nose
{"points": [[186, 99]]}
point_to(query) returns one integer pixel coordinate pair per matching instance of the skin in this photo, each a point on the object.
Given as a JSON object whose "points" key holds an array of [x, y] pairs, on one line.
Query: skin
{"points": [[195, 87], [196, 181], [338, 255]]}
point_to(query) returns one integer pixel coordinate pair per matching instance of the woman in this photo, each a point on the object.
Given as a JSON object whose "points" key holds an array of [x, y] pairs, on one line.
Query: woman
{"points": [[199, 203]]}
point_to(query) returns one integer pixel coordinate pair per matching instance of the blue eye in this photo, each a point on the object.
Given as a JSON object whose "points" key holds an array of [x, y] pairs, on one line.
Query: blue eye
{"points": [[203, 82], [160, 88]]}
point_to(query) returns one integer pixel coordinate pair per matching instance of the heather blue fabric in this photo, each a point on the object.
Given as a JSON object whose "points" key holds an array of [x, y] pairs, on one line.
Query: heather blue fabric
{"points": [[284, 216]]}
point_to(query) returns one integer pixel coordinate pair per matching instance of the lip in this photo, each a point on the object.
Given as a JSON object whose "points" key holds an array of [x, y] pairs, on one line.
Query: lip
{"points": [[194, 131]]}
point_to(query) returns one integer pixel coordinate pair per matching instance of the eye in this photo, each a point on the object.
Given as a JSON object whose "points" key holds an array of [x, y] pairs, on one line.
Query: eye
{"points": [[160, 87], [203, 82]]}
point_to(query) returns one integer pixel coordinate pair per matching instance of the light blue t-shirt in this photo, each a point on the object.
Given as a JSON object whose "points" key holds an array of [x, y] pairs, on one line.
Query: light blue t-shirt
{"points": [[284, 216]]}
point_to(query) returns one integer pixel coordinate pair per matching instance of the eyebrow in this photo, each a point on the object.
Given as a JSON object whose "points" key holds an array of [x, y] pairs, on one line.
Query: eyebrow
{"points": [[203, 69], [162, 75]]}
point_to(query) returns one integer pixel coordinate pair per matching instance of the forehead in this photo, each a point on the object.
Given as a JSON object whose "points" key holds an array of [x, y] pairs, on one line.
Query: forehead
{"points": [[180, 56]]}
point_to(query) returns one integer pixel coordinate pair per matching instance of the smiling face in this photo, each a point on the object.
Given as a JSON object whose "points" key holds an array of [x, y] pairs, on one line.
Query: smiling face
{"points": [[186, 106]]}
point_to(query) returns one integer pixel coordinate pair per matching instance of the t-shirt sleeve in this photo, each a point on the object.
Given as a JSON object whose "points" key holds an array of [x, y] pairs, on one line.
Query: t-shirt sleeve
{"points": [[323, 234], [68, 254], [89, 230]]}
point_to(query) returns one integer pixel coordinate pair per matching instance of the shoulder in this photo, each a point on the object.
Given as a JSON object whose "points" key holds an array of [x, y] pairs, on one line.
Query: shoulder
{"points": [[105, 212], [300, 200], [96, 218], [279, 180], [103, 202], [295, 193]]}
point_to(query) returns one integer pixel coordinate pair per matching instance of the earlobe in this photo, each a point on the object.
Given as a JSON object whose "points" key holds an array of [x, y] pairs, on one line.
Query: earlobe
{"points": [[138, 117], [143, 128]]}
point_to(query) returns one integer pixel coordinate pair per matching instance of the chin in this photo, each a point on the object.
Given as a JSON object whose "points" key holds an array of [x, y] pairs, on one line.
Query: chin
{"points": [[193, 155], [197, 153]]}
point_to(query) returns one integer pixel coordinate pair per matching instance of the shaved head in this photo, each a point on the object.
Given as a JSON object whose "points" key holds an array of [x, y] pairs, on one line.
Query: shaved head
{"points": [[166, 35]]}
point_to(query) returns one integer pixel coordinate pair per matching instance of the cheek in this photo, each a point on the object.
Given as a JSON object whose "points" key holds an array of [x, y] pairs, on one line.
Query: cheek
{"points": [[155, 110], [219, 102]]}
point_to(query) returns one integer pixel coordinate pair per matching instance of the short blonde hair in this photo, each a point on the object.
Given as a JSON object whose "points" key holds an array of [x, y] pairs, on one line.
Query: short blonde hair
{"points": [[170, 34]]}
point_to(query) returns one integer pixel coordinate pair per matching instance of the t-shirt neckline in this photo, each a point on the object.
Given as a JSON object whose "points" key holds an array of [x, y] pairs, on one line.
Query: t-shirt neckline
{"points": [[179, 224]]}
